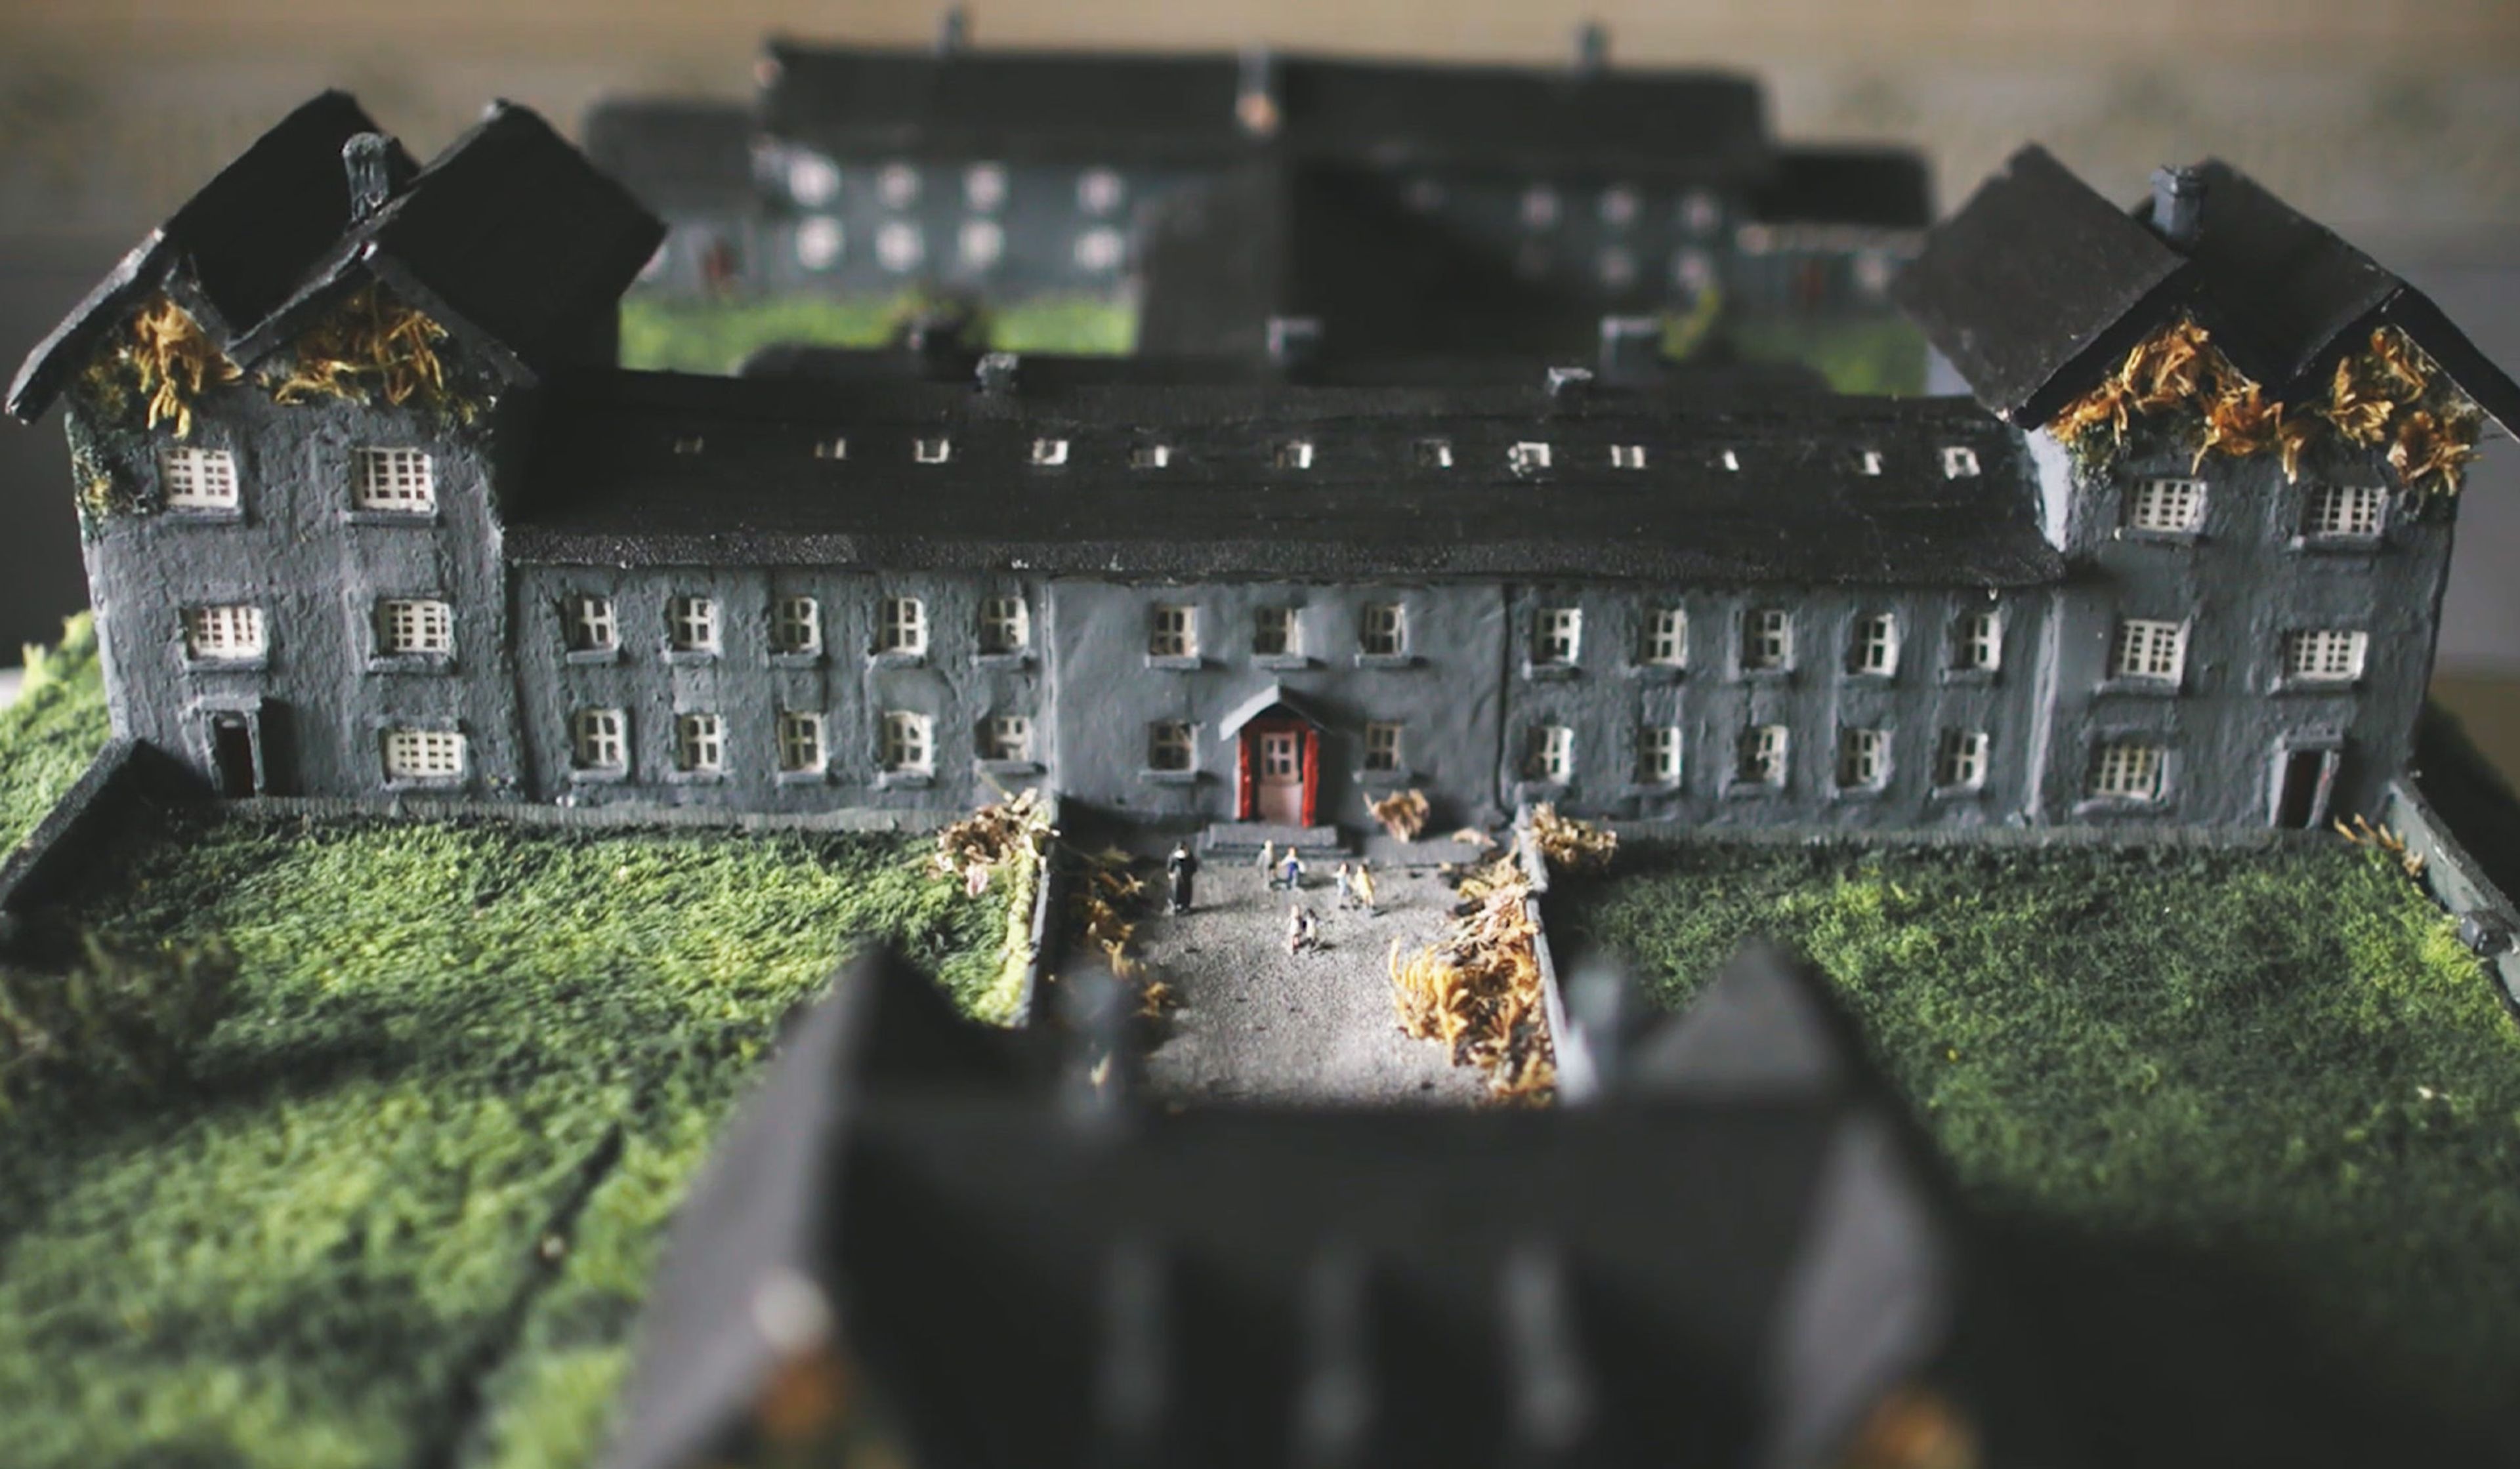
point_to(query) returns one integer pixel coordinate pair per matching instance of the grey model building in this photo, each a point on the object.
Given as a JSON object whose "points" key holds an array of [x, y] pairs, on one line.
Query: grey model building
{"points": [[1526, 201], [366, 511]]}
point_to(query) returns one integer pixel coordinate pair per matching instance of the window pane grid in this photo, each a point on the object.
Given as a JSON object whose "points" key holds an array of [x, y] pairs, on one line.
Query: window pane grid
{"points": [[1272, 632], [800, 741], [2325, 655], [591, 626], [1382, 635], [1768, 640], [1959, 760], [1173, 633], [1981, 643], [224, 632], [1658, 755], [396, 479], [422, 754], [1553, 753], [1863, 758], [1666, 636], [907, 746], [700, 742], [691, 624], [2345, 510], [1382, 747], [2149, 650], [599, 740], [1006, 625], [1761, 756], [1876, 645], [901, 626], [2128, 770], [415, 625], [1168, 745], [796, 625], [1561, 635], [198, 480], [1006, 737], [2168, 504]]}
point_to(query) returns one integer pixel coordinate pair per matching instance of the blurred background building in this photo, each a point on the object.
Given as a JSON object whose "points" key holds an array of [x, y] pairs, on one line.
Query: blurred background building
{"points": [[2396, 125]]}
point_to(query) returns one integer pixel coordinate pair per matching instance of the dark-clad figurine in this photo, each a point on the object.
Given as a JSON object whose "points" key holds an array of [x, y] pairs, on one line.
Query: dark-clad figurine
{"points": [[1179, 869]]}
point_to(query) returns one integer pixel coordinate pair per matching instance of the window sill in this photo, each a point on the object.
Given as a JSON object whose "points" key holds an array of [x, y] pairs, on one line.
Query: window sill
{"points": [[988, 766], [896, 660], [1651, 791], [2142, 688], [1751, 791], [1658, 673], [804, 777], [1763, 675], [201, 666], [1176, 662], [2316, 687], [176, 515], [2336, 545], [1280, 662], [1167, 778], [592, 655], [1975, 792], [905, 780], [612, 776], [1011, 660], [425, 784], [689, 657], [413, 520], [2134, 535], [2092, 806], [1858, 795], [1868, 678], [800, 659], [1392, 660], [695, 778], [439, 663], [1966, 676], [1550, 673]]}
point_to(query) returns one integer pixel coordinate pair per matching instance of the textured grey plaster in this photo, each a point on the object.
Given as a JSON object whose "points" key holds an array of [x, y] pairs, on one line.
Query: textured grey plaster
{"points": [[1258, 1024]]}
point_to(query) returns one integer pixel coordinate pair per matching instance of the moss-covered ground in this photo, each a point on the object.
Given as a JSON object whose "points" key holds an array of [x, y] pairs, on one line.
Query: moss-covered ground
{"points": [[50, 734], [2283, 1059], [717, 336], [406, 1209], [1886, 355]]}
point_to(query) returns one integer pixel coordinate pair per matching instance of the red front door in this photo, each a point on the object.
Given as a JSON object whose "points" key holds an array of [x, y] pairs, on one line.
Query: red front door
{"points": [[1280, 760]]}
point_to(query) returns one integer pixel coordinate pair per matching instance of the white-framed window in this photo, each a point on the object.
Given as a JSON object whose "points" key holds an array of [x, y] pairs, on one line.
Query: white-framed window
{"points": [[1760, 757], [1959, 760], [901, 625], [897, 185], [1550, 755], [1539, 207], [932, 451], [1978, 641], [1862, 759], [1729, 461], [982, 243], [909, 743], [1618, 205], [2126, 770], [1529, 457], [699, 743], [1169, 746], [591, 626], [796, 625], [1666, 638], [1006, 625], [2344, 511], [984, 187], [415, 625], [691, 624], [1050, 451], [1560, 635], [422, 754], [819, 239], [1627, 456], [2166, 505], [832, 448], [1274, 633], [1172, 632], [899, 246], [1658, 754], [813, 180], [1101, 251], [1875, 648], [1295, 453], [690, 443], [2149, 648], [229, 633], [1700, 212], [2325, 656], [1433, 454], [1381, 747], [395, 479], [1382, 630], [1099, 191], [1767, 639], [198, 479], [1960, 462], [599, 740], [1150, 456], [802, 749], [1006, 737], [1869, 462]]}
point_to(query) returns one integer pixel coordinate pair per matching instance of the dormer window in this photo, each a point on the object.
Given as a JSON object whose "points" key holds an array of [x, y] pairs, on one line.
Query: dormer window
{"points": [[1295, 453], [395, 479], [1870, 462], [832, 448], [932, 451], [689, 443], [1527, 458], [1627, 456], [1729, 461], [1434, 454], [1048, 452], [1150, 456], [198, 479], [1960, 462]]}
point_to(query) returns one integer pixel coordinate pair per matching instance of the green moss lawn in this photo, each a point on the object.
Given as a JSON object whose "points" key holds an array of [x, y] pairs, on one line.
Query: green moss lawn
{"points": [[54, 730], [1881, 356], [407, 1207], [2281, 1058], [715, 337]]}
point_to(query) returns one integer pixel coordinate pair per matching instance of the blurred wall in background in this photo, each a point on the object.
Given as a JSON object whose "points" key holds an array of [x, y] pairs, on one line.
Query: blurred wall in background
{"points": [[2394, 122]]}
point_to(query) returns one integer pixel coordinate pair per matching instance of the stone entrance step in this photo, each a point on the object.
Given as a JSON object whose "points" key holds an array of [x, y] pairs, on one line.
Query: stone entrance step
{"points": [[1227, 839]]}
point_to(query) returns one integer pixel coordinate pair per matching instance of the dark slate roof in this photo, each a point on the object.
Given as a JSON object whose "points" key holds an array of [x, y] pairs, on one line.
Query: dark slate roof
{"points": [[676, 157], [241, 244], [667, 469], [1150, 106], [508, 235], [1039, 1273], [2039, 285], [1881, 188]]}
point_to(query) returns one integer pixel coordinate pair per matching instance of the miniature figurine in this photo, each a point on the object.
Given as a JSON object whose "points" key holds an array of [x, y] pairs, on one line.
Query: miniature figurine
{"points": [[1303, 929], [1361, 887], [1179, 869], [1290, 873], [1267, 854]]}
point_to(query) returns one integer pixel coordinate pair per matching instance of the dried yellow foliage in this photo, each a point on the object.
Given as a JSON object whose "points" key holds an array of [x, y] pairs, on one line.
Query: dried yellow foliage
{"points": [[368, 344], [2362, 833], [1571, 845], [1403, 814], [1912, 1428], [981, 843], [1478, 990], [173, 362]]}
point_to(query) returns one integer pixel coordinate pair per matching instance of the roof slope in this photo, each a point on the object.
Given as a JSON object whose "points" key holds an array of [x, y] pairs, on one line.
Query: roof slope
{"points": [[606, 484], [509, 234], [1882, 188], [2039, 285]]}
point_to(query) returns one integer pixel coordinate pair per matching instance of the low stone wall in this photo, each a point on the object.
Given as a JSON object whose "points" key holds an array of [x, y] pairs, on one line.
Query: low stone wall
{"points": [[2488, 918], [1050, 899], [613, 818], [1574, 1067], [2173, 838], [128, 791]]}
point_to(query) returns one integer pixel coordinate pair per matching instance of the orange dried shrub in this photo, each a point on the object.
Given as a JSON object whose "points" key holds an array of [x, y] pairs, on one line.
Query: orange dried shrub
{"points": [[172, 361], [1403, 814], [367, 343], [1478, 990]]}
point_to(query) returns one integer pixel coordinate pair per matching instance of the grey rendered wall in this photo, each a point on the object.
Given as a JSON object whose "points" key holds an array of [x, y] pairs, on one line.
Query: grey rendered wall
{"points": [[1445, 694], [316, 567], [1611, 691], [2245, 579], [953, 684]]}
